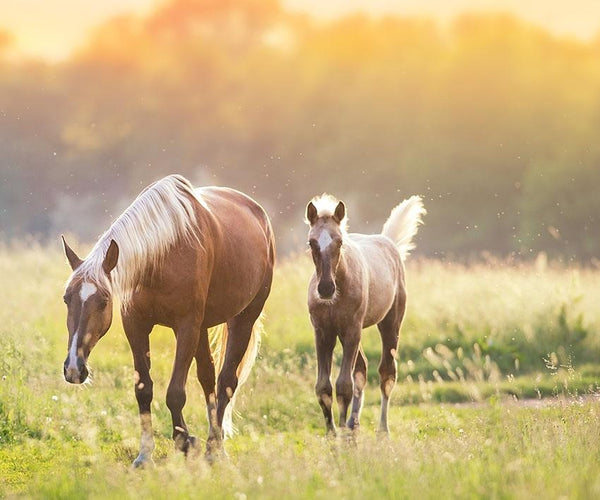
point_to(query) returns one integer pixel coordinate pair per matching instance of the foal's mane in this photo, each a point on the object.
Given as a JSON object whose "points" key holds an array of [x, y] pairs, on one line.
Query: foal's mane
{"points": [[162, 215], [325, 205]]}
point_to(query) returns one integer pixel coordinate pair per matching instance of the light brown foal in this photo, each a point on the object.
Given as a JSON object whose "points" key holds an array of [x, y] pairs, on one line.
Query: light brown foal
{"points": [[187, 259], [358, 282]]}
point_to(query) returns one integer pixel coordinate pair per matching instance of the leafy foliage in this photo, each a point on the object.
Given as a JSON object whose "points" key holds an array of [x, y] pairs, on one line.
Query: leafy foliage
{"points": [[493, 120]]}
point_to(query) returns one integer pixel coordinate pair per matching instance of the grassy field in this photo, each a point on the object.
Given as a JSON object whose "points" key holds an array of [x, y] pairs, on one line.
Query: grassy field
{"points": [[476, 343]]}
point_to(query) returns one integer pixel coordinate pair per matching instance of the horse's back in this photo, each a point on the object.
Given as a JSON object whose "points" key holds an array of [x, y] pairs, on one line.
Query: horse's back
{"points": [[242, 248], [385, 270]]}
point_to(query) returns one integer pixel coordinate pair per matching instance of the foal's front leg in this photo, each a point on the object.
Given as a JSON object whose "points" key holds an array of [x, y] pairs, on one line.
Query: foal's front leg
{"points": [[138, 336], [344, 386], [325, 342], [188, 336]]}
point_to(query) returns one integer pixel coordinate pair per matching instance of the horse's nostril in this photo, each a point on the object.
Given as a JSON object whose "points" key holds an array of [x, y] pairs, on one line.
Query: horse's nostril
{"points": [[83, 374]]}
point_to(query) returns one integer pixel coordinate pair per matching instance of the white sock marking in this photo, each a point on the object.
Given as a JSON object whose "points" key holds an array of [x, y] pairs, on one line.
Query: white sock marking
{"points": [[86, 291]]}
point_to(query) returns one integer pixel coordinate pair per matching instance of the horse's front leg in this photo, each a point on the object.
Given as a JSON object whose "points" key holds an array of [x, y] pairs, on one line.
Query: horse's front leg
{"points": [[344, 387], [187, 334], [138, 336]]}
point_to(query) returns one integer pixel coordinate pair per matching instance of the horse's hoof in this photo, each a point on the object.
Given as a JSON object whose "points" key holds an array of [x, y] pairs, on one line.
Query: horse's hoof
{"points": [[185, 443], [190, 445]]}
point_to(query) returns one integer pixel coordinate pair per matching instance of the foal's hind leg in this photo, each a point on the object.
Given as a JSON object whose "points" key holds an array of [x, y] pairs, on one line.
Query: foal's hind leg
{"points": [[205, 369], [360, 380], [188, 336], [389, 329]]}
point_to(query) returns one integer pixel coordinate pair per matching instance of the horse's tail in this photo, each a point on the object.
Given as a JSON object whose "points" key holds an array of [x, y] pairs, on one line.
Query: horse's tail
{"points": [[218, 344], [403, 224]]}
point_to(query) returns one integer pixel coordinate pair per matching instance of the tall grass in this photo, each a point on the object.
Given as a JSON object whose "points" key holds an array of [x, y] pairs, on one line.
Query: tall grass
{"points": [[470, 331]]}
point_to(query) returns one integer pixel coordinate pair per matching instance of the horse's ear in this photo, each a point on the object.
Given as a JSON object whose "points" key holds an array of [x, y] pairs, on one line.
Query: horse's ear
{"points": [[111, 257], [74, 261], [340, 212], [311, 213]]}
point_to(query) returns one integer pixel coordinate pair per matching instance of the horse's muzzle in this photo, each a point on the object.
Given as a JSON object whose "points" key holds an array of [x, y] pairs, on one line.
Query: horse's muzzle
{"points": [[326, 289], [76, 374]]}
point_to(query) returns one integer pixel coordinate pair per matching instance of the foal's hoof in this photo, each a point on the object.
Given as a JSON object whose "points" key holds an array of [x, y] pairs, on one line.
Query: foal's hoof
{"points": [[353, 424], [143, 462], [382, 434]]}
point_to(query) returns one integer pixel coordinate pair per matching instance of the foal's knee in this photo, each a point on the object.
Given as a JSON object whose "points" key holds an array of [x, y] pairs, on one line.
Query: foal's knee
{"points": [[324, 391], [387, 377], [344, 389]]}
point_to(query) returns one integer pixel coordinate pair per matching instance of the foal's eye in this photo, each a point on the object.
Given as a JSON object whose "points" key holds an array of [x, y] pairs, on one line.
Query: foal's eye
{"points": [[313, 244], [66, 299]]}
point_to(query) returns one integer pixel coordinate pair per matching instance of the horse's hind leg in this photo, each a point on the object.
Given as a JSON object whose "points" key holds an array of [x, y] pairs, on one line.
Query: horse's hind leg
{"points": [[188, 336], [360, 380], [238, 337], [205, 369], [389, 329]]}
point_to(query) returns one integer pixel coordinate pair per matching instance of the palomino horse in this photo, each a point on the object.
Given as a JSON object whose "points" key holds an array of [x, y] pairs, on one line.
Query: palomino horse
{"points": [[358, 282], [187, 259]]}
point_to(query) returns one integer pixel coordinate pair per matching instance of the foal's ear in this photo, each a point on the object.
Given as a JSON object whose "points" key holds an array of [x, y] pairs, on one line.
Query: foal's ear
{"points": [[311, 213], [340, 212], [74, 261], [111, 257]]}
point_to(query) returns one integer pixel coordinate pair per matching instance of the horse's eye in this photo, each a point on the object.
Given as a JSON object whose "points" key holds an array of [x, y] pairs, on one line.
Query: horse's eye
{"points": [[313, 244], [103, 304], [67, 299]]}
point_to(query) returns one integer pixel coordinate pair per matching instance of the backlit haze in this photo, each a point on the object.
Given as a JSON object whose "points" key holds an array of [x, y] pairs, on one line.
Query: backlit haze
{"points": [[51, 30]]}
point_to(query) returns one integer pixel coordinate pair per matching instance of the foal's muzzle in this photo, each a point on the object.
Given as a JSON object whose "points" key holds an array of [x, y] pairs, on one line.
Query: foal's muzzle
{"points": [[76, 374], [326, 289]]}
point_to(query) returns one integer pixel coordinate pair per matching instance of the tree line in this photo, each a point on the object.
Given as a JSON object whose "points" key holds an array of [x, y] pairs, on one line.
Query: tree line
{"points": [[493, 121]]}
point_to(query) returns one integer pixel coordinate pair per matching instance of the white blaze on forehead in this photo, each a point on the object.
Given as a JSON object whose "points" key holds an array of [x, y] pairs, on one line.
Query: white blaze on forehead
{"points": [[87, 290], [324, 240]]}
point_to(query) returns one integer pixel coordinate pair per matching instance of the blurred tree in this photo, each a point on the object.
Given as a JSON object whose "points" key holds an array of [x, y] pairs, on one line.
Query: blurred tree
{"points": [[492, 120]]}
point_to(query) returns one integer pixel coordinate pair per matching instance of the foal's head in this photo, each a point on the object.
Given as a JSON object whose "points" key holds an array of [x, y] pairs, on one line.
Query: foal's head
{"points": [[326, 217], [89, 310]]}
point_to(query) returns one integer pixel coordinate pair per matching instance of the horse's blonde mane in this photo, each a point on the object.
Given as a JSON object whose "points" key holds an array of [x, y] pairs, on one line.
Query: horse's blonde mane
{"points": [[325, 205], [159, 217]]}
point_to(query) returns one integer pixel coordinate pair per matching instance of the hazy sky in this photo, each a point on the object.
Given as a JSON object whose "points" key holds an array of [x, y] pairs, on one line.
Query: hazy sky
{"points": [[53, 28]]}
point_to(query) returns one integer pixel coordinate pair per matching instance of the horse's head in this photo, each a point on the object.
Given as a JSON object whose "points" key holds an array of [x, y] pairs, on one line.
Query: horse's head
{"points": [[89, 310], [326, 217]]}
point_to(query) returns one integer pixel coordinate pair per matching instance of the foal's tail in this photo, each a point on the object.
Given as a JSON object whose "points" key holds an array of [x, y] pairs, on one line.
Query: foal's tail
{"points": [[218, 344], [403, 224]]}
